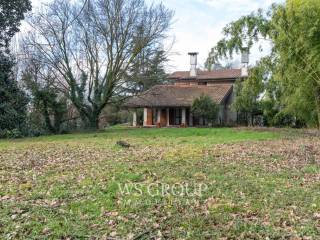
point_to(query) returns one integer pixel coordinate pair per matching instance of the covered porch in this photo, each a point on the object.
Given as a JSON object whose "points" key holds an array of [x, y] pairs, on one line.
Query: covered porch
{"points": [[164, 117]]}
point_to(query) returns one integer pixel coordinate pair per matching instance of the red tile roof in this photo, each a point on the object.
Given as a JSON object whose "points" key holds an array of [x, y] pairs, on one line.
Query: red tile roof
{"points": [[178, 96], [217, 74]]}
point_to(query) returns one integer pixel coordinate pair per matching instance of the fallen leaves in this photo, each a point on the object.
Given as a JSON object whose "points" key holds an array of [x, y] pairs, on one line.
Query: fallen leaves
{"points": [[276, 155], [68, 186], [316, 216]]}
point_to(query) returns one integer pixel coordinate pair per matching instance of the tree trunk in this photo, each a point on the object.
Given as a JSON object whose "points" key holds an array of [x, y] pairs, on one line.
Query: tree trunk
{"points": [[252, 119], [93, 122], [318, 110], [47, 119], [317, 96], [247, 119]]}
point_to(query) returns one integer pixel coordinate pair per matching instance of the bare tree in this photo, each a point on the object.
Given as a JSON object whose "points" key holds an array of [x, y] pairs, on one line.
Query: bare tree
{"points": [[92, 52]]}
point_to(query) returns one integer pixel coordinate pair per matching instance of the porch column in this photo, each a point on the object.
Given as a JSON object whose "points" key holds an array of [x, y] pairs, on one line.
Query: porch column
{"points": [[158, 115], [168, 117], [145, 116], [190, 119], [183, 120], [134, 118]]}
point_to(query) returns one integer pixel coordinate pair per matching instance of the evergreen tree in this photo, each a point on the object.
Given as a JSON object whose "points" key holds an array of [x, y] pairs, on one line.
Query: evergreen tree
{"points": [[148, 70], [13, 101], [11, 14]]}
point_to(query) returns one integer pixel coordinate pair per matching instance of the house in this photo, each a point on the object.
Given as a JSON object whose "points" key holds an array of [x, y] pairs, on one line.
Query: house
{"points": [[170, 105]]}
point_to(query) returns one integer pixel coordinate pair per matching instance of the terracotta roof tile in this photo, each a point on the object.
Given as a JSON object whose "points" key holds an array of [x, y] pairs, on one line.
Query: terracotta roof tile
{"points": [[217, 74], [178, 96]]}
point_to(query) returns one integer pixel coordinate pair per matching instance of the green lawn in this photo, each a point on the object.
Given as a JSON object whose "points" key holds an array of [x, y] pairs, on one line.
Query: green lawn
{"points": [[170, 184]]}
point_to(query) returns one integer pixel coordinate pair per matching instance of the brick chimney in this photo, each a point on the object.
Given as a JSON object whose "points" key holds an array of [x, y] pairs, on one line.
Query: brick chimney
{"points": [[193, 63]]}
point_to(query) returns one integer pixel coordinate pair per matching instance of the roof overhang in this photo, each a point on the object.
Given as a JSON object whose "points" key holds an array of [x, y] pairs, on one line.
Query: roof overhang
{"points": [[178, 96]]}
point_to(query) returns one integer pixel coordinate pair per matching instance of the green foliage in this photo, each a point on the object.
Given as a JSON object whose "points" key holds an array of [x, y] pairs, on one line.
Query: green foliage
{"points": [[36, 124], [204, 107], [48, 101], [292, 69], [239, 35], [13, 101], [298, 53], [11, 14], [14, 133], [269, 108], [248, 93], [148, 69], [283, 119]]}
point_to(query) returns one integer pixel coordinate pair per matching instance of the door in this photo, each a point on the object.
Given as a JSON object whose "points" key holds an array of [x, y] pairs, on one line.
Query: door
{"points": [[163, 117]]}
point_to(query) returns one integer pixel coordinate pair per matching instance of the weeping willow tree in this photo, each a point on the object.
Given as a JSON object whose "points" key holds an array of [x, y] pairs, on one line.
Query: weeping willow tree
{"points": [[291, 73]]}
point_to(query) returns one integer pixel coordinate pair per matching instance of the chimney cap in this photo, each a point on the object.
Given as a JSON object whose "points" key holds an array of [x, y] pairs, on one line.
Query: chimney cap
{"points": [[193, 53]]}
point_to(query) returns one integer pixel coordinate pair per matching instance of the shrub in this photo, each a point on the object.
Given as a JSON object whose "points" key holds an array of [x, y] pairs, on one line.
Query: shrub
{"points": [[204, 107], [14, 133], [283, 119]]}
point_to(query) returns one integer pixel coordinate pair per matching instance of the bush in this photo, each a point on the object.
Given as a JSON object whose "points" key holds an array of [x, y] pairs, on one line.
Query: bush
{"points": [[113, 115], [283, 119], [204, 107], [14, 133]]}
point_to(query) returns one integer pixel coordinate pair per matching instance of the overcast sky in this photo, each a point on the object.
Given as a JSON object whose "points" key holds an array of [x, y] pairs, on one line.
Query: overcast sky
{"points": [[198, 24]]}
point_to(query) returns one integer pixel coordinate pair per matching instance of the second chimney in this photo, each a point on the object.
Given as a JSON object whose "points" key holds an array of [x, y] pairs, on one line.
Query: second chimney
{"points": [[193, 63], [245, 62]]}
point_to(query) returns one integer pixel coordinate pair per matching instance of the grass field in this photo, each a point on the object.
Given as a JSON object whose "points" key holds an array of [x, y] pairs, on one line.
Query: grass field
{"points": [[169, 184]]}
